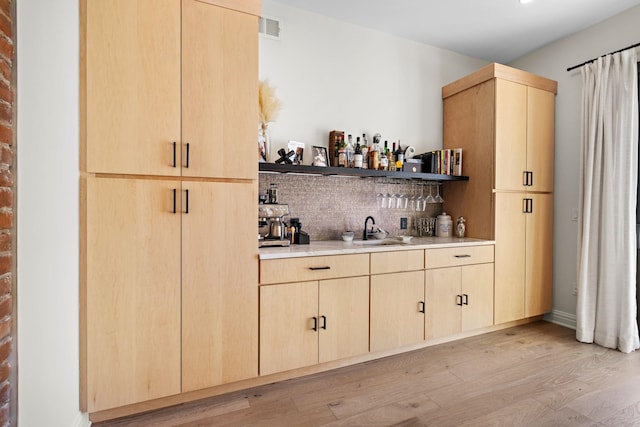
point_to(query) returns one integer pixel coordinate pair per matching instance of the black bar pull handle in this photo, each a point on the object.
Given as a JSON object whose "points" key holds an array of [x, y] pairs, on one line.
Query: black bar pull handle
{"points": [[466, 299], [459, 298], [462, 256], [324, 322], [174, 201], [175, 164], [315, 323], [525, 178], [326, 267], [187, 164], [421, 306], [530, 179], [187, 201], [530, 205]]}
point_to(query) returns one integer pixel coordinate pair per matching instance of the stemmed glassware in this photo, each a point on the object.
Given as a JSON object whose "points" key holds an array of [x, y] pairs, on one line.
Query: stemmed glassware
{"points": [[396, 198], [430, 198], [438, 198]]}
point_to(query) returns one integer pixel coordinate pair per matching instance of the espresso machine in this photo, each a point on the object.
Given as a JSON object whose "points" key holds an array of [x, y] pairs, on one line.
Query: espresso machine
{"points": [[272, 230]]}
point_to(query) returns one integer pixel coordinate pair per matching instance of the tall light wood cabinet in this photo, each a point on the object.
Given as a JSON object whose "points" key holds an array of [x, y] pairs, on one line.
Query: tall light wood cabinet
{"points": [[219, 284], [169, 86], [169, 268], [503, 119], [131, 294]]}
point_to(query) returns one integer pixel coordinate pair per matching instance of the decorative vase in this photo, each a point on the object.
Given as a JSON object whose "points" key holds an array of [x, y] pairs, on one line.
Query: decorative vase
{"points": [[264, 143]]}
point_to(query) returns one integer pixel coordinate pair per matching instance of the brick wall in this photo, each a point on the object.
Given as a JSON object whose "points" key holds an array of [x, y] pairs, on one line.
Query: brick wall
{"points": [[7, 235]]}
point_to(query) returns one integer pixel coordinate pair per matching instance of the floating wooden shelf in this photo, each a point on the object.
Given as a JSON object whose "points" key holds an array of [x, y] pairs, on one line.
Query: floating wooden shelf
{"points": [[364, 173]]}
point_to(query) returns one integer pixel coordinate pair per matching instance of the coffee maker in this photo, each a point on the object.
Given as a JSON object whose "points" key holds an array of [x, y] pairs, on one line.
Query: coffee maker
{"points": [[272, 230]]}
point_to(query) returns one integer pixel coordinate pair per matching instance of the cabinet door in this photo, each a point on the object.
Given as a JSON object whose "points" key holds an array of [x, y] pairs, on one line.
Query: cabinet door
{"points": [[219, 284], [131, 291], [539, 250], [344, 318], [509, 257], [287, 338], [511, 134], [220, 89], [540, 138], [477, 292], [131, 96], [396, 319], [442, 296]]}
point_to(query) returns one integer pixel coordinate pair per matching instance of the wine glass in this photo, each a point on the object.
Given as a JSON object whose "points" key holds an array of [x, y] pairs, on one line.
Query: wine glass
{"points": [[438, 198], [430, 198]]}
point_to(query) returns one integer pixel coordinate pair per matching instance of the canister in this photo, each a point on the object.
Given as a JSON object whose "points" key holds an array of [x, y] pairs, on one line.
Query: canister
{"points": [[443, 225]]}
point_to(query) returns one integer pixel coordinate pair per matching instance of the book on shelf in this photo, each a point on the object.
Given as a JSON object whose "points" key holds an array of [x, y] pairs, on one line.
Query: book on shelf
{"points": [[444, 162]]}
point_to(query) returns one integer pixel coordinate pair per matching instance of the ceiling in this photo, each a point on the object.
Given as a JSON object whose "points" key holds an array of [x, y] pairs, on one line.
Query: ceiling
{"points": [[493, 30]]}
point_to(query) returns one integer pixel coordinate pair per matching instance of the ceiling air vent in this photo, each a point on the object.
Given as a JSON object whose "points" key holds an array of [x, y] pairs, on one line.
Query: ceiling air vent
{"points": [[269, 27]]}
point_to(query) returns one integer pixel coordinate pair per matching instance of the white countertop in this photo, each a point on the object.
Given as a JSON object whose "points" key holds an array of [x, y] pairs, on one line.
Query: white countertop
{"points": [[338, 247]]}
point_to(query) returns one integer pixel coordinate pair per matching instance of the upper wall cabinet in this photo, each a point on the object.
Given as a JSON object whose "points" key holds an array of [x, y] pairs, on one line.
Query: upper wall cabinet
{"points": [[167, 89], [524, 137]]}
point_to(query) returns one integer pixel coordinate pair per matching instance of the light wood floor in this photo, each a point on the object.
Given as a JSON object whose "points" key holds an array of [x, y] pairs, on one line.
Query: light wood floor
{"points": [[532, 375]]}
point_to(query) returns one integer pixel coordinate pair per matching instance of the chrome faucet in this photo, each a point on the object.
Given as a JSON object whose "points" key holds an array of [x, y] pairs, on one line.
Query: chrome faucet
{"points": [[366, 235]]}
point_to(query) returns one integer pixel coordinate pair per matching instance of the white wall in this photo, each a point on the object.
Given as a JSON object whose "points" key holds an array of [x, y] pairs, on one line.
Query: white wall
{"points": [[47, 213], [333, 75], [552, 61]]}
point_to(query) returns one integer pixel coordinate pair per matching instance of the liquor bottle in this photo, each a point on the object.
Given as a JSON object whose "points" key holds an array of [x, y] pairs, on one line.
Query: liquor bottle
{"points": [[365, 152], [349, 151], [384, 157], [357, 157], [399, 157], [342, 153]]}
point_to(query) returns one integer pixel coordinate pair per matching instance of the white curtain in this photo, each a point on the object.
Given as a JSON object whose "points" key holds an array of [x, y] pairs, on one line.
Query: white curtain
{"points": [[606, 311]]}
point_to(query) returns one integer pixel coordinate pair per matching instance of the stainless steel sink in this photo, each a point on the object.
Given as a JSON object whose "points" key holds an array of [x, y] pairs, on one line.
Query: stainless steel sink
{"points": [[382, 242]]}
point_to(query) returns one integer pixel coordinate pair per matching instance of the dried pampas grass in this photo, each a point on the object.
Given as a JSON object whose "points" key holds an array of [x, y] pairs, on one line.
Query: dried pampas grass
{"points": [[269, 103]]}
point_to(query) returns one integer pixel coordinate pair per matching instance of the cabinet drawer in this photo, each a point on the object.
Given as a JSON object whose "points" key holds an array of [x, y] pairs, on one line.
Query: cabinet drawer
{"points": [[313, 268], [465, 255], [396, 262]]}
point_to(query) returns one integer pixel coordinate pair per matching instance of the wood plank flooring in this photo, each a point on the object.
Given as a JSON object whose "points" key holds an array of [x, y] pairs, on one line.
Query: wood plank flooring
{"points": [[531, 375]]}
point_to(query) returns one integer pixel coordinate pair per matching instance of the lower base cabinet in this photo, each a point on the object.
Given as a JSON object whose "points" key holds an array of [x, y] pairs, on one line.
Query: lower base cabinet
{"points": [[458, 299], [305, 323], [397, 317]]}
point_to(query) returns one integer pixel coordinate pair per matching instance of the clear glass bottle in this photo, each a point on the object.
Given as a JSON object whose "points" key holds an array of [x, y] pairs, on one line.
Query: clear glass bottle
{"points": [[350, 150]]}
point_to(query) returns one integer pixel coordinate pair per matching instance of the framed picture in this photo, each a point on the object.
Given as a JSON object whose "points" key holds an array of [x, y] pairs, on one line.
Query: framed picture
{"points": [[320, 156], [298, 149]]}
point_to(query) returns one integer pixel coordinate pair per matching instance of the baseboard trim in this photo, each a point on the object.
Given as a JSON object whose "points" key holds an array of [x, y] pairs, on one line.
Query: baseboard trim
{"points": [[561, 318], [82, 420]]}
